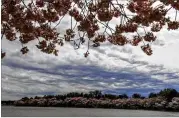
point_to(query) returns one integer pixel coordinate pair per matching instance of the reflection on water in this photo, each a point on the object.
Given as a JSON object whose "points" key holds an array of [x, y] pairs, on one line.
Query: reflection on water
{"points": [[11, 111]]}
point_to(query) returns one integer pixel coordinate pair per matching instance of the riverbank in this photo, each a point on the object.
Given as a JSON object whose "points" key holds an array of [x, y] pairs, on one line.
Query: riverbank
{"points": [[165, 100], [157, 103]]}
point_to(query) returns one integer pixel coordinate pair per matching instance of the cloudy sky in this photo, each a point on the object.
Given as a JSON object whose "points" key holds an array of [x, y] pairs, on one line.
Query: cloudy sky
{"points": [[110, 68]]}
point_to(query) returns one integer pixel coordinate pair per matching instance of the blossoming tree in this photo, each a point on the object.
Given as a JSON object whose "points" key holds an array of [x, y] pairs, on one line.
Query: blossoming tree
{"points": [[89, 20]]}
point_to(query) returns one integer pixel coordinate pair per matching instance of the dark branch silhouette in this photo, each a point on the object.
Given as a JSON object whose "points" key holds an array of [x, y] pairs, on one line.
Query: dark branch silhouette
{"points": [[39, 20]]}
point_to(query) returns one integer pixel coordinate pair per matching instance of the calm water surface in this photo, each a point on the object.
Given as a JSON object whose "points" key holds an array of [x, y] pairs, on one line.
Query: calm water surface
{"points": [[11, 111]]}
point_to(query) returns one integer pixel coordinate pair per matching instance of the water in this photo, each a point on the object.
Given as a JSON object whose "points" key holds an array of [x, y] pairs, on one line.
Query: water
{"points": [[11, 111]]}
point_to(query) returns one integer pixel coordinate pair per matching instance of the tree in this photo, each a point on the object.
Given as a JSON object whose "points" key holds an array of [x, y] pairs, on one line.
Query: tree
{"points": [[125, 96], [136, 95], [36, 97], [47, 96], [95, 93], [110, 96], [168, 93], [90, 22], [25, 99], [122, 96], [152, 95]]}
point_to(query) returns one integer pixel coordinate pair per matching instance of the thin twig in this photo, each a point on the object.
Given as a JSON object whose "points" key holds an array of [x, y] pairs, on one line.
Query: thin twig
{"points": [[59, 21], [176, 15]]}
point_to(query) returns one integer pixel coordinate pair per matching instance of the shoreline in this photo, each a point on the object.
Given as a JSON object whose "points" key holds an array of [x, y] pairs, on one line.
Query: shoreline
{"points": [[91, 108], [154, 104]]}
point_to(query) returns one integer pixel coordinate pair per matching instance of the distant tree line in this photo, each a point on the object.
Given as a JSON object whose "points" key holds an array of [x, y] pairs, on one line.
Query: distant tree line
{"points": [[167, 93], [166, 99], [9, 102]]}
